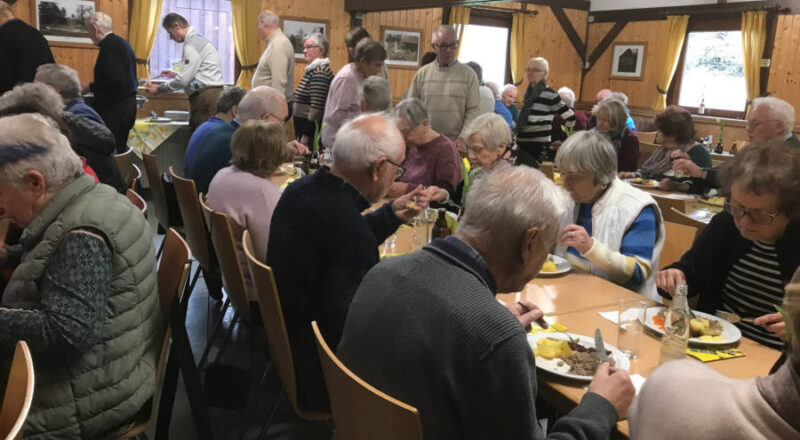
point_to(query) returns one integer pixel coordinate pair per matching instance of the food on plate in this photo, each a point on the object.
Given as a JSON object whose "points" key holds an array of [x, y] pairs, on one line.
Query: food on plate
{"points": [[581, 360], [549, 265], [705, 327], [549, 348]]}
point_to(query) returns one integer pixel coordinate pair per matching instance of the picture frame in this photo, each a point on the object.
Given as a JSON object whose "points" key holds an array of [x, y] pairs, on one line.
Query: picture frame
{"points": [[403, 46], [63, 22], [628, 60], [297, 29]]}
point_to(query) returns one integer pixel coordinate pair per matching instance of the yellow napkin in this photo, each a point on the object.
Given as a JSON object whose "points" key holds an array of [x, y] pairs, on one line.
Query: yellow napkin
{"points": [[553, 328], [713, 355]]}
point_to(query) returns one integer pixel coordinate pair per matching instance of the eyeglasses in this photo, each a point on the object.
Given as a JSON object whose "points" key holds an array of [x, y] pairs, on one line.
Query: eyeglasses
{"points": [[756, 217], [451, 46], [280, 119], [311, 46], [400, 171], [755, 123]]}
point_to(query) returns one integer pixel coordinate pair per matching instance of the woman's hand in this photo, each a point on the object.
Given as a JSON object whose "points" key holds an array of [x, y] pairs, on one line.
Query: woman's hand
{"points": [[626, 175], [410, 204], [575, 236], [667, 279], [680, 161], [436, 194], [774, 323]]}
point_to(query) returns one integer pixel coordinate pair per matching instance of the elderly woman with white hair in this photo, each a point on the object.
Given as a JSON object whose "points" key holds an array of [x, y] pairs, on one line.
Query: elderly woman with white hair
{"points": [[612, 229], [312, 91], [83, 294], [559, 133], [611, 115]]}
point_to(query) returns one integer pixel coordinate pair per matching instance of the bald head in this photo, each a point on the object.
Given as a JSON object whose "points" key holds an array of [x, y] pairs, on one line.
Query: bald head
{"points": [[602, 94], [445, 45], [260, 101]]}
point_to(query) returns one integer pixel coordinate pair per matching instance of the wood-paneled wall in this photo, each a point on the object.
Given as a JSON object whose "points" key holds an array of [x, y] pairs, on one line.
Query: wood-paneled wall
{"points": [[81, 58], [784, 81]]}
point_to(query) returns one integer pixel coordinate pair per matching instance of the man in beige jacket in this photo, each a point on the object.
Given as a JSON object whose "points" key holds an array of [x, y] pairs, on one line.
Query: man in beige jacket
{"points": [[276, 65]]}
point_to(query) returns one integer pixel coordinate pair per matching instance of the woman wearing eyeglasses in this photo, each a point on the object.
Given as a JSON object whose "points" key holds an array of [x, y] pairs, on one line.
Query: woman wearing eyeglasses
{"points": [[312, 92], [743, 259]]}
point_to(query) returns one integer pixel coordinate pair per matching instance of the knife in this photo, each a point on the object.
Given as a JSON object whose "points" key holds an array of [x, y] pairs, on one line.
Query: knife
{"points": [[599, 346]]}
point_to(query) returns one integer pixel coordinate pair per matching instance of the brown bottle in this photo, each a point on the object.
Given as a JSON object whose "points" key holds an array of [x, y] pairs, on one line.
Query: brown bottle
{"points": [[440, 229]]}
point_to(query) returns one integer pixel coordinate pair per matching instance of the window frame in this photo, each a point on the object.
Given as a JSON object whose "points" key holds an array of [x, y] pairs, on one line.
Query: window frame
{"points": [[502, 19], [724, 22]]}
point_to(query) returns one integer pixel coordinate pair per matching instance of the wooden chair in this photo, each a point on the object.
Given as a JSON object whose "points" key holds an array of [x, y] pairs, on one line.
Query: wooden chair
{"points": [[646, 149], [126, 167], [680, 217], [160, 204], [269, 304], [678, 239], [547, 169], [18, 394], [647, 136], [360, 411], [137, 200], [197, 233], [665, 204]]}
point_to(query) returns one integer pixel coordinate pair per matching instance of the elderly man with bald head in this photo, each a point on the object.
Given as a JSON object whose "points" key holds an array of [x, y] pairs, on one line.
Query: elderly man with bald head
{"points": [[276, 65], [448, 88]]}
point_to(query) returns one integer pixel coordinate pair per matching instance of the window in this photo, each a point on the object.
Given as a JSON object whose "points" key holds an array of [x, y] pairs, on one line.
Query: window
{"points": [[212, 19], [713, 71], [487, 46]]}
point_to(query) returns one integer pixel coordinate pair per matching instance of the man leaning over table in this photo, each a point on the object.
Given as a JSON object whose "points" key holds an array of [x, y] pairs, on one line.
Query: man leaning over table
{"points": [[200, 74], [426, 328], [320, 244]]}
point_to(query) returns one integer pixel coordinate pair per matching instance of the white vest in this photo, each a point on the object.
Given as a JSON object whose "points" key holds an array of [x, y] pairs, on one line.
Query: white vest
{"points": [[612, 216]]}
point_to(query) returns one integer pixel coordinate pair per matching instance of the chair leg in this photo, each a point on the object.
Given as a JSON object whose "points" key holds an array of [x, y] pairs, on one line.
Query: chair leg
{"points": [[265, 427], [214, 333], [261, 386], [228, 336]]}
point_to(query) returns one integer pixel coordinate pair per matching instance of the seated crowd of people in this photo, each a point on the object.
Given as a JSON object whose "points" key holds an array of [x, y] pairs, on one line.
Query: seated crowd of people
{"points": [[425, 327]]}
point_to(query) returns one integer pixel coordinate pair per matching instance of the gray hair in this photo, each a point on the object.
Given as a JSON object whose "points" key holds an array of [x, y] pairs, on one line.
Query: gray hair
{"points": [[413, 110], [614, 110], [508, 87], [619, 96], [258, 101], [101, 20], [492, 128], [377, 94], [63, 78], [268, 17], [320, 41], [779, 110], [359, 145], [588, 151], [505, 203], [541, 64], [568, 96], [31, 142]]}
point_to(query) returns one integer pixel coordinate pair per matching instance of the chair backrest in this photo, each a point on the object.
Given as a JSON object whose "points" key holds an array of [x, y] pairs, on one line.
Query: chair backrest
{"points": [[126, 167], [19, 393], [665, 204], [194, 225], [360, 411], [206, 210], [137, 175], [224, 241], [680, 217], [137, 200], [647, 136], [678, 239], [547, 169], [157, 189]]}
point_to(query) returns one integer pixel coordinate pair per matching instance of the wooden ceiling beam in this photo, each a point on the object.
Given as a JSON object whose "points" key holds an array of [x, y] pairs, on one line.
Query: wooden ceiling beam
{"points": [[647, 14], [395, 5], [572, 34], [604, 44]]}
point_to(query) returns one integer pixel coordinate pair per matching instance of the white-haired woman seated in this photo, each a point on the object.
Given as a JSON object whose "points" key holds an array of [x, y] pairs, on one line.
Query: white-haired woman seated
{"points": [[83, 294], [612, 229]]}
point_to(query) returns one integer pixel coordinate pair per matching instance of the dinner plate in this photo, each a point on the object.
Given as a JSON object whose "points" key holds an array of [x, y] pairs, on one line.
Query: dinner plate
{"points": [[706, 201], [551, 365], [562, 266], [159, 119], [730, 332]]}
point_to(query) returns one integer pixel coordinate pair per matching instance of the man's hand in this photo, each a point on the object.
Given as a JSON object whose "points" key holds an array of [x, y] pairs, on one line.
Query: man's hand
{"points": [[296, 148], [774, 323], [397, 189], [680, 161], [668, 279], [152, 88], [615, 386], [168, 74], [526, 313], [406, 207]]}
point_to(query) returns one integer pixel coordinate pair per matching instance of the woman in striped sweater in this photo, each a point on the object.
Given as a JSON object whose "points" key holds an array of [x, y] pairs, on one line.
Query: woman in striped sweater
{"points": [[541, 104], [312, 92], [744, 258]]}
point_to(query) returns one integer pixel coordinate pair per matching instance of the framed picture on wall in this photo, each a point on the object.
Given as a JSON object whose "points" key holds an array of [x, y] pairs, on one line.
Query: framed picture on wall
{"points": [[63, 21], [402, 46], [628, 60], [298, 29]]}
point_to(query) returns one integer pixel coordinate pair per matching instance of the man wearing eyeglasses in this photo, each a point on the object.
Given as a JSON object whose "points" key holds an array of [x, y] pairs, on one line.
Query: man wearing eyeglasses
{"points": [[213, 152], [320, 245], [448, 88], [276, 65]]}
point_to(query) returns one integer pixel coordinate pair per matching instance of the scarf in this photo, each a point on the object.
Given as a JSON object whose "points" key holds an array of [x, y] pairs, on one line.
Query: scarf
{"points": [[659, 162], [531, 93], [316, 63]]}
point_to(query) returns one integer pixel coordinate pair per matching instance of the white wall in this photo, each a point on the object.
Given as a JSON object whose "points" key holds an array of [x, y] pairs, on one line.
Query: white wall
{"points": [[615, 5]]}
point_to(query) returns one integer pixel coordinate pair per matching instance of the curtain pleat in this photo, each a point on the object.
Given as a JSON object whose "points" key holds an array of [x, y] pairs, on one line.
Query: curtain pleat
{"points": [[145, 20], [675, 35], [245, 39], [754, 36], [518, 48], [459, 19]]}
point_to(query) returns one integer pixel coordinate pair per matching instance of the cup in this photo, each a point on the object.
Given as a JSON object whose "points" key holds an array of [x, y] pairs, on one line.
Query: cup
{"points": [[630, 328], [423, 223]]}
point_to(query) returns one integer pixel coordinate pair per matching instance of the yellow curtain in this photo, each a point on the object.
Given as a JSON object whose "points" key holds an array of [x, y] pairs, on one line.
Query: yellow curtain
{"points": [[754, 35], [676, 33], [145, 20], [518, 54], [245, 39], [459, 19]]}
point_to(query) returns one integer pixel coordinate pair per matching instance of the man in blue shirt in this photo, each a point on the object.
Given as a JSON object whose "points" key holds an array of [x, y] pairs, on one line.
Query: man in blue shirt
{"points": [[227, 109], [64, 80]]}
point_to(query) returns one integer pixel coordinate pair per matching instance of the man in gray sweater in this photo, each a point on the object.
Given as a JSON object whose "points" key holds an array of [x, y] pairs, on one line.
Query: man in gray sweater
{"points": [[275, 68], [426, 328]]}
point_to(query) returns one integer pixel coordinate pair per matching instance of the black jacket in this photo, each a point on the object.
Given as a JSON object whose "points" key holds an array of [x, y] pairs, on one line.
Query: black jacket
{"points": [[22, 49], [114, 72], [96, 143], [707, 263]]}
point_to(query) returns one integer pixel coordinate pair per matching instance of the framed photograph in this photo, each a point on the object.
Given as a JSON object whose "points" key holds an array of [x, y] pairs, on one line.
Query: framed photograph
{"points": [[402, 46], [63, 21], [298, 29], [628, 60]]}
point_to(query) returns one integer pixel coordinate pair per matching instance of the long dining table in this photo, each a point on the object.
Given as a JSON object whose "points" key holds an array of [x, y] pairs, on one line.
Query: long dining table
{"points": [[575, 300]]}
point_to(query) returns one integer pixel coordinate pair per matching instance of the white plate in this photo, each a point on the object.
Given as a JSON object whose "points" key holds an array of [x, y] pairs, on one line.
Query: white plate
{"points": [[562, 266], [549, 365], [730, 332]]}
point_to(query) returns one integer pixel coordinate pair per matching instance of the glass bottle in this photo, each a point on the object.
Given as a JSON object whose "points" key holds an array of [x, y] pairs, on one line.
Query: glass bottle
{"points": [[440, 228], [676, 327], [701, 110]]}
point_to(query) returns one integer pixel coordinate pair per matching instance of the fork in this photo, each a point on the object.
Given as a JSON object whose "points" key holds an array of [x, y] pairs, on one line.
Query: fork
{"points": [[733, 318]]}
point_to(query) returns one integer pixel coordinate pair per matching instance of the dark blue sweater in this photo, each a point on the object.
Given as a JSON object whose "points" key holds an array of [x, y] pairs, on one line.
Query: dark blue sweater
{"points": [[212, 154], [320, 247], [114, 72], [22, 49]]}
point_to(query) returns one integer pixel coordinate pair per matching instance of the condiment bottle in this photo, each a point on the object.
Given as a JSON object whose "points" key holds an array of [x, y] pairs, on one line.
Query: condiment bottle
{"points": [[676, 327], [440, 228]]}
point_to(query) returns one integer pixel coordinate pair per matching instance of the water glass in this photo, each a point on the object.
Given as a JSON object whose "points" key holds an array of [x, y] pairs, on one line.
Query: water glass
{"points": [[630, 328], [423, 223]]}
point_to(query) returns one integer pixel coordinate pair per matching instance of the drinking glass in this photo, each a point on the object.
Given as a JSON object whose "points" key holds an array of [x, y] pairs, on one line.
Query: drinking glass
{"points": [[629, 330]]}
